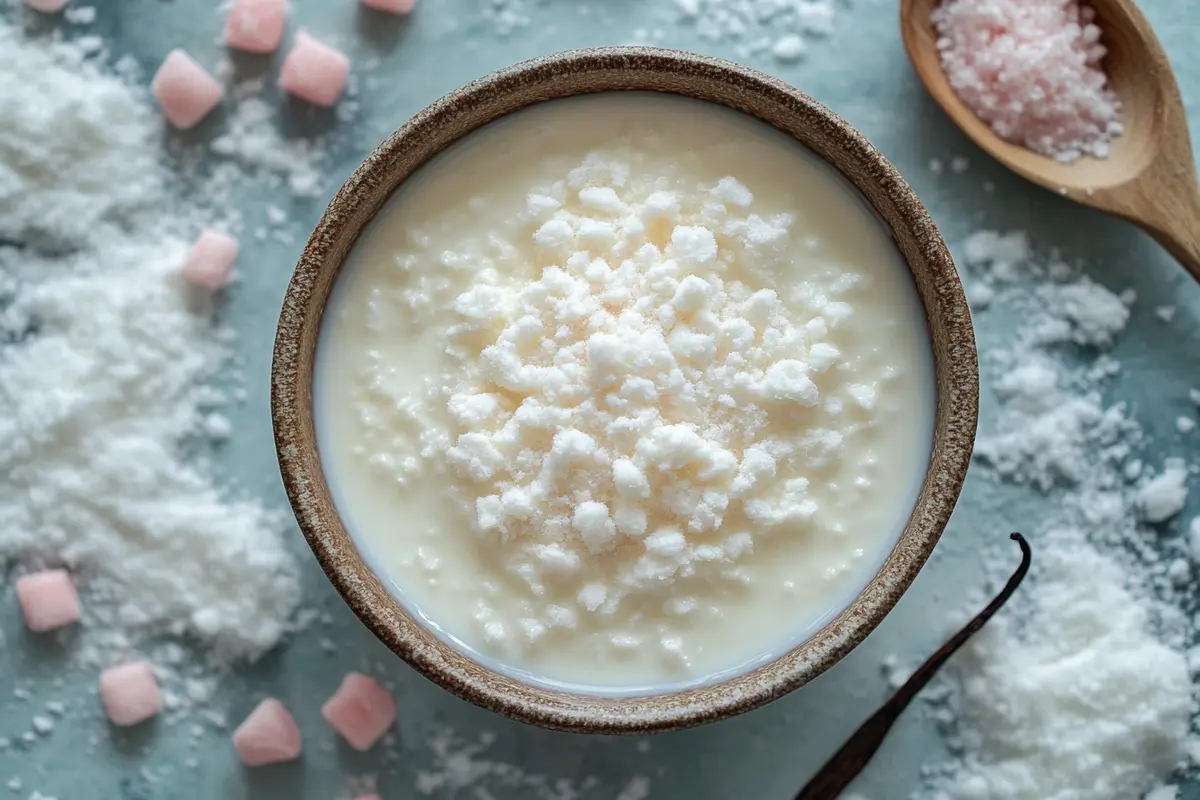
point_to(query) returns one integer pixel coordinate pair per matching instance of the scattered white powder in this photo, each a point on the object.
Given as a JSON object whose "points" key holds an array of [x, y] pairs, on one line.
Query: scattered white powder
{"points": [[754, 27], [80, 15], [1164, 496], [252, 140], [460, 765], [1032, 71], [101, 375], [505, 16], [1081, 689]]}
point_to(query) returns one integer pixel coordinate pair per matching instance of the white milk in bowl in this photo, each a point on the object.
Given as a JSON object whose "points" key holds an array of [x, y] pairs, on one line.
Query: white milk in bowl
{"points": [[625, 393]]}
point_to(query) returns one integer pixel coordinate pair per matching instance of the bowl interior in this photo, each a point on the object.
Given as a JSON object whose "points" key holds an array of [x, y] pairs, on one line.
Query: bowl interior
{"points": [[583, 72]]}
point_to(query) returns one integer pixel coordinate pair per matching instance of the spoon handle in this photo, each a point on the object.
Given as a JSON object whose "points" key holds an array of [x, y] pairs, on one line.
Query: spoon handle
{"points": [[848, 762], [1182, 241]]}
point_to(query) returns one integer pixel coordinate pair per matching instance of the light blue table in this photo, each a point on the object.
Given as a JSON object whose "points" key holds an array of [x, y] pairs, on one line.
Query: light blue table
{"points": [[861, 73]]}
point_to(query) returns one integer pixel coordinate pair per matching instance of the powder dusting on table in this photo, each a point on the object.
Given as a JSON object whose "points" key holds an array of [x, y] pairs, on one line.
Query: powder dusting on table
{"points": [[104, 375], [781, 28], [1032, 71], [1081, 690]]}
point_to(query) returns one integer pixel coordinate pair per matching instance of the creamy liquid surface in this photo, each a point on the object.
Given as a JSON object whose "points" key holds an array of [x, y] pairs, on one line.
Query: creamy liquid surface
{"points": [[667, 459]]}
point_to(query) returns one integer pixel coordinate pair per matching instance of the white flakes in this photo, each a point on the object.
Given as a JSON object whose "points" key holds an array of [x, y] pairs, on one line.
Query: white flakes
{"points": [[787, 381], [692, 246], [629, 479], [554, 233], [594, 526], [1164, 496], [592, 596], [733, 192], [661, 204], [692, 293], [666, 542], [788, 48], [603, 198]]}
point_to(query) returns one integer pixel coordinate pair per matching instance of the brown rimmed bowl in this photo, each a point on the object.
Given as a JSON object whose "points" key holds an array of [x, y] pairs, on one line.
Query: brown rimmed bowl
{"points": [[585, 72]]}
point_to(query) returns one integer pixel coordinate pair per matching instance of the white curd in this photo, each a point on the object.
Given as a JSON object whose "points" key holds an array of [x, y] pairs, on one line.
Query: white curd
{"points": [[625, 392]]}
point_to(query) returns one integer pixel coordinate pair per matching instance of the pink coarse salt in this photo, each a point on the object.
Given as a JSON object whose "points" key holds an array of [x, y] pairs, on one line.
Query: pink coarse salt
{"points": [[255, 26], [360, 710], [185, 91], [314, 71], [391, 6], [129, 693], [48, 600], [210, 262], [268, 736], [47, 6], [1032, 71]]}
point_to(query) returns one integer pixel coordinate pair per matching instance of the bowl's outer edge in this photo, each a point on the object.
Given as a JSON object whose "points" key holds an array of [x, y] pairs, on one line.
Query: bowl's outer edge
{"points": [[580, 72]]}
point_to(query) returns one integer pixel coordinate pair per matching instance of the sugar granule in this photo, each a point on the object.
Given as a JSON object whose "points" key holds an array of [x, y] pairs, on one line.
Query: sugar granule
{"points": [[1031, 70], [102, 375]]}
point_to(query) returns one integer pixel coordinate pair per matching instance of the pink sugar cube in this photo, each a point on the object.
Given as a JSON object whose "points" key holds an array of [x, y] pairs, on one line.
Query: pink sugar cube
{"points": [[210, 262], [48, 600], [255, 26], [46, 6], [129, 693], [360, 710], [391, 6], [268, 736], [184, 90], [314, 71]]}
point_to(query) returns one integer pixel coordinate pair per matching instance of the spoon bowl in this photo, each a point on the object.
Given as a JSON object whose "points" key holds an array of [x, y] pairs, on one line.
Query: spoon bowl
{"points": [[1149, 175]]}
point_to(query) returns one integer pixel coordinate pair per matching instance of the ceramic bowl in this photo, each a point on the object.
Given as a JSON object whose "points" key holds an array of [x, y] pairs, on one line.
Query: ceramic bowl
{"points": [[584, 72]]}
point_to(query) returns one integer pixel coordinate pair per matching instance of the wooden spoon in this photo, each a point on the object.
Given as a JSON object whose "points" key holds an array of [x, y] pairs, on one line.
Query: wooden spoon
{"points": [[1149, 177]]}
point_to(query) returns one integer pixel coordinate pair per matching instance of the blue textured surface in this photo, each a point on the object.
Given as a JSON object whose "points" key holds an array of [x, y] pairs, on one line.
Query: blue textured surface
{"points": [[862, 74]]}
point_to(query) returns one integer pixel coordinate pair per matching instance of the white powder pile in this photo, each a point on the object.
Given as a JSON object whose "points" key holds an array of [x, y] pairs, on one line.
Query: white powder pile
{"points": [[1078, 701], [60, 147], [1081, 691], [1031, 70], [100, 376], [754, 27]]}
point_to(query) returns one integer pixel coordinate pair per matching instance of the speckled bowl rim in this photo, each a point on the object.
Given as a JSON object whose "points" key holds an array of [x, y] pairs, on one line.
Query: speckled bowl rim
{"points": [[581, 72]]}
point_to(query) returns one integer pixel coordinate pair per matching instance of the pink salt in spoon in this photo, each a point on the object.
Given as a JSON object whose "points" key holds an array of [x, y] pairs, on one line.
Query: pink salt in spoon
{"points": [[1149, 176]]}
